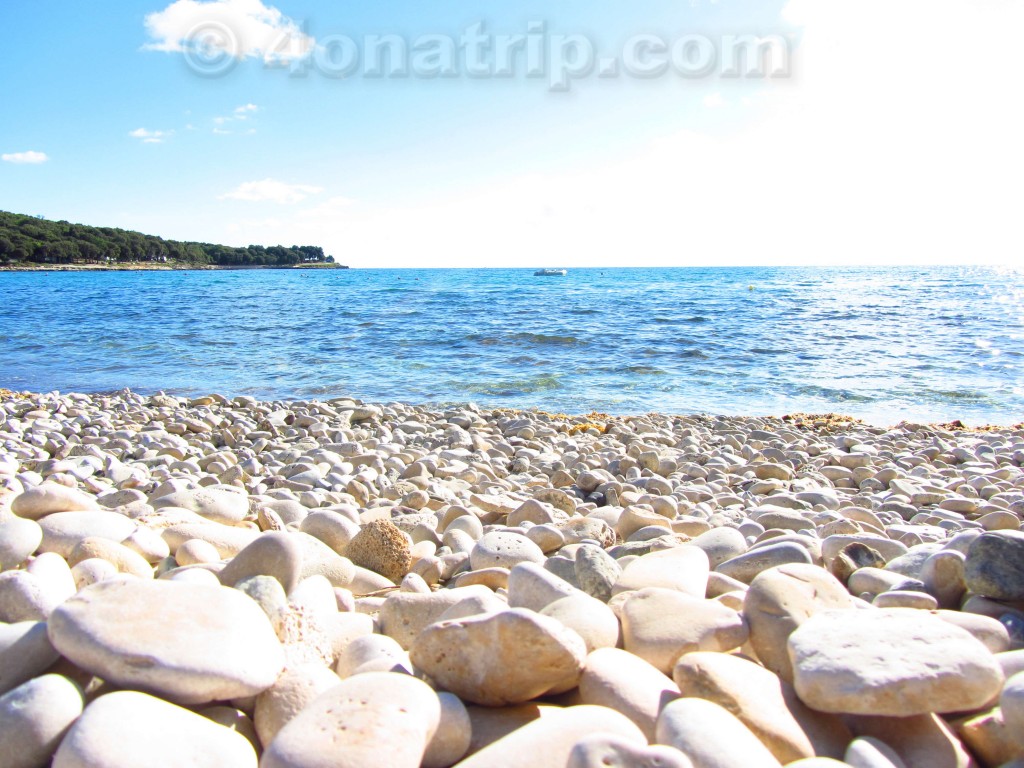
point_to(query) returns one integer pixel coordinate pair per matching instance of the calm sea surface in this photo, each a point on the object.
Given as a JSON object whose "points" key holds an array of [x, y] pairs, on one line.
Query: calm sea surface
{"points": [[882, 344]]}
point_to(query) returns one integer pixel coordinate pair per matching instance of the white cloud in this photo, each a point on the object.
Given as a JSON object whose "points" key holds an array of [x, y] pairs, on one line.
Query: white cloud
{"points": [[25, 158], [150, 137], [271, 190], [243, 29], [238, 114]]}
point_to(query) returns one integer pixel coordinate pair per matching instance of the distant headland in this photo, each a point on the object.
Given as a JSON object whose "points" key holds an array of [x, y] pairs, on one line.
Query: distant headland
{"points": [[33, 243]]}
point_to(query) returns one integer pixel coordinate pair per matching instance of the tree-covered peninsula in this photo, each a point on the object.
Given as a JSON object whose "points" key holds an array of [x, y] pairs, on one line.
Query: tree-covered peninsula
{"points": [[31, 241]]}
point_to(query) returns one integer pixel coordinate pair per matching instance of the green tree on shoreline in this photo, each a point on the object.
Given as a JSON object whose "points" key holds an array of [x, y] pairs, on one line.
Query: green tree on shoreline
{"points": [[40, 241]]}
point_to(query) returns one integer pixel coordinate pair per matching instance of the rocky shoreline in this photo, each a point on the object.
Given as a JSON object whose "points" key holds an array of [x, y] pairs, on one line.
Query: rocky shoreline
{"points": [[229, 582]]}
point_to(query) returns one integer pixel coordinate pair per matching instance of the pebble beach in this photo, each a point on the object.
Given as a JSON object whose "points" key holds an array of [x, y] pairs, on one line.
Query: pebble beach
{"points": [[233, 582]]}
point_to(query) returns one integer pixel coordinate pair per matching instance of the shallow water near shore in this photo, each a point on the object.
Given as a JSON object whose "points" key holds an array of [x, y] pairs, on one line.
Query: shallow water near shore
{"points": [[883, 344]]}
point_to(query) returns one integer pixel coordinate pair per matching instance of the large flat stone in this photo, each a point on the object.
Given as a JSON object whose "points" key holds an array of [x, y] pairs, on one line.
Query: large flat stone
{"points": [[896, 662], [191, 643]]}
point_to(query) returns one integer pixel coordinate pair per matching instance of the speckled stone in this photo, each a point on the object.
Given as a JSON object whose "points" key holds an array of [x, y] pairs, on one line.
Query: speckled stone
{"points": [[382, 548]]}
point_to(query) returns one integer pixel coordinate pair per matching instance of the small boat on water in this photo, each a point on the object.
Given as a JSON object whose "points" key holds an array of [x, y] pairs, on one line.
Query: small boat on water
{"points": [[550, 273]]}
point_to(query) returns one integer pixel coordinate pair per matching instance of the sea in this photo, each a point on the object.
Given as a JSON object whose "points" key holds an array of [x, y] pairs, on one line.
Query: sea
{"points": [[885, 344]]}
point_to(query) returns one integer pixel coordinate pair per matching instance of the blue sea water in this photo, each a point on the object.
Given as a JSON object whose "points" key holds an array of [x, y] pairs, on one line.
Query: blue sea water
{"points": [[885, 344]]}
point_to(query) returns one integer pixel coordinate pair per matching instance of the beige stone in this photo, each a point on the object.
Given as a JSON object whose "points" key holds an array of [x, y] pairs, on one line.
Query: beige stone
{"points": [[45, 499], [215, 504], [332, 528], [591, 619], [780, 600], [488, 724], [660, 625], [34, 718], [990, 738], [503, 658], [272, 554], [63, 530], [404, 615], [227, 540], [196, 551], [532, 586], [382, 548], [548, 741], [895, 662], [123, 559], [602, 751], [372, 653], [869, 752], [767, 705], [367, 721], [453, 736], [25, 651], [898, 598], [683, 568], [921, 741], [720, 544], [288, 696], [234, 720], [504, 549], [1011, 701], [990, 632], [711, 737], [127, 729], [190, 643], [750, 564], [19, 539], [626, 683]]}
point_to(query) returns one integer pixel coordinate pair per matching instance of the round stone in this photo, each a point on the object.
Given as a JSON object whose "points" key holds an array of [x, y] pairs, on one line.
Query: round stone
{"points": [[272, 554], [781, 599], [710, 736], [376, 719], [19, 538], [127, 729], [382, 548], [25, 651], [190, 643], [502, 658], [34, 717], [660, 625], [45, 499], [504, 549]]}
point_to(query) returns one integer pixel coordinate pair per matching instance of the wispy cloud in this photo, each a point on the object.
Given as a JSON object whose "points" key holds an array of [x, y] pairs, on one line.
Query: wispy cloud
{"points": [[239, 114], [246, 28], [271, 190], [25, 158], [150, 137]]}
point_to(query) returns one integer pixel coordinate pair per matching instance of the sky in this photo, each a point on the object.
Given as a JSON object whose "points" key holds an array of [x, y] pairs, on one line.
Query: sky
{"points": [[447, 134]]}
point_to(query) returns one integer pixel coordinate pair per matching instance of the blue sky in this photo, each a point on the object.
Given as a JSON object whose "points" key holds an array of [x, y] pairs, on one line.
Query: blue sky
{"points": [[891, 136]]}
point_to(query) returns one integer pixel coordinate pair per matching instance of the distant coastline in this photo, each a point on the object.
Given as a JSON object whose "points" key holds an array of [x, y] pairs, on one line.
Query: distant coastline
{"points": [[146, 266]]}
